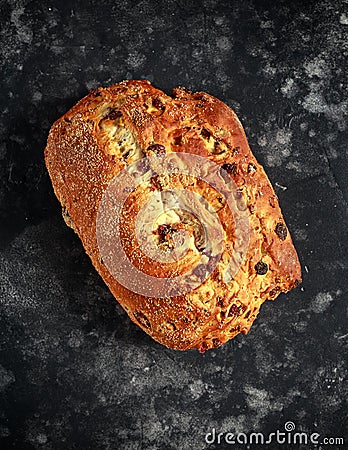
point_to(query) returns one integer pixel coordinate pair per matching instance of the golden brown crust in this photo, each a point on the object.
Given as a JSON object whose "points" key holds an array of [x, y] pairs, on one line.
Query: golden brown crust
{"points": [[83, 155]]}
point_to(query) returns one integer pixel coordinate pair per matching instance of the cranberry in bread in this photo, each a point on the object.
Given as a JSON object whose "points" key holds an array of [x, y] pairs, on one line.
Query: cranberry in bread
{"points": [[176, 214]]}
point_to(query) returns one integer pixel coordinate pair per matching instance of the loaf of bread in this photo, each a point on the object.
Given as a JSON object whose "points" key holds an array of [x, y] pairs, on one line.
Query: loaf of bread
{"points": [[176, 214]]}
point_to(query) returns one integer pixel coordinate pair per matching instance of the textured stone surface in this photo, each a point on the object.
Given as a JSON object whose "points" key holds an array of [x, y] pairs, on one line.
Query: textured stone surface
{"points": [[74, 372]]}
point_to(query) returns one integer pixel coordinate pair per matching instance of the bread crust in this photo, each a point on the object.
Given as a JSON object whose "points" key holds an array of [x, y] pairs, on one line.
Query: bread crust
{"points": [[82, 159]]}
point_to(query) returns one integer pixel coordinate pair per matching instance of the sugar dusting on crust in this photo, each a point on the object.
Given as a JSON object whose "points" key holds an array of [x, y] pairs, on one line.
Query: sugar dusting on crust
{"points": [[116, 126]]}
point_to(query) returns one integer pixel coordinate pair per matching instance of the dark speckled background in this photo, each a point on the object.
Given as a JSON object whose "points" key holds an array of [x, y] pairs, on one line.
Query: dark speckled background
{"points": [[75, 373]]}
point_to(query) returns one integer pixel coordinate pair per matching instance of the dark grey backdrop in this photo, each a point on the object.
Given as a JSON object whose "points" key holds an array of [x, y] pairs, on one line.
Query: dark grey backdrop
{"points": [[75, 373]]}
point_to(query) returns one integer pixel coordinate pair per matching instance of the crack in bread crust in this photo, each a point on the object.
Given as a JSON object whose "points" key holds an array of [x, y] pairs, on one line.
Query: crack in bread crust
{"points": [[114, 127]]}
